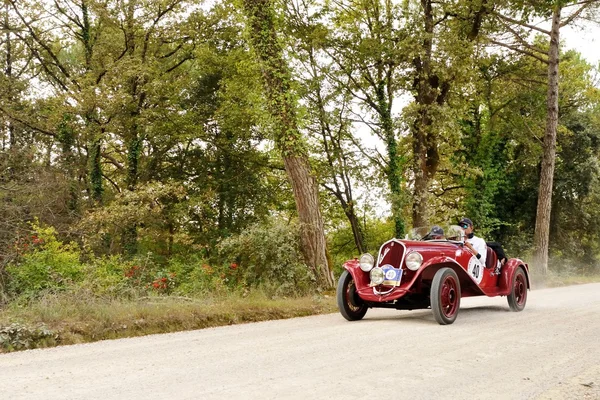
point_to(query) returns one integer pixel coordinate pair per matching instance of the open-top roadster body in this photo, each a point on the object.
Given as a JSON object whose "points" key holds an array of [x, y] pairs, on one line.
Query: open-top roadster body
{"points": [[421, 272]]}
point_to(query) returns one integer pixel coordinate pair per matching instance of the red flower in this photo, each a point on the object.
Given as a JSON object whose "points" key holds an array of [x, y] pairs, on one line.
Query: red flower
{"points": [[233, 266]]}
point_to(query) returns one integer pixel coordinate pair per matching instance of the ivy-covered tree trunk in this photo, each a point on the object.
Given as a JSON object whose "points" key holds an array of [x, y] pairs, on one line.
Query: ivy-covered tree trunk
{"points": [[544, 206], [133, 138], [429, 90], [394, 172], [12, 140], [276, 79], [95, 170]]}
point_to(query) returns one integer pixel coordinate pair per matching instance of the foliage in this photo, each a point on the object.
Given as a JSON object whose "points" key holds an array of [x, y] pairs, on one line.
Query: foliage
{"points": [[267, 256], [377, 232], [19, 337], [46, 265]]}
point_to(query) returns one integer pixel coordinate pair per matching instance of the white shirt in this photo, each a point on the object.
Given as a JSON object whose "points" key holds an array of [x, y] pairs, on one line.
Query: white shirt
{"points": [[480, 247]]}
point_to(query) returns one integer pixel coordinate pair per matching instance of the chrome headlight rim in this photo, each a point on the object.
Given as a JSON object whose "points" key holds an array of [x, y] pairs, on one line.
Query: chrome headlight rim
{"points": [[413, 261], [377, 276], [366, 262]]}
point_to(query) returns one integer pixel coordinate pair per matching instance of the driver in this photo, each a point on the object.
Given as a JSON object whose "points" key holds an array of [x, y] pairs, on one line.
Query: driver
{"points": [[436, 233], [475, 244]]}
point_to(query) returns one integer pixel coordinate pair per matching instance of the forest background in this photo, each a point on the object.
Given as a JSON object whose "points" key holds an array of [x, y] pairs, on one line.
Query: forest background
{"points": [[156, 148]]}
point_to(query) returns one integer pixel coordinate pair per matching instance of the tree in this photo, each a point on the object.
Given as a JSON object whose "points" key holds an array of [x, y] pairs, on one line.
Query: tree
{"points": [[442, 62], [536, 9], [277, 82], [328, 112], [367, 46]]}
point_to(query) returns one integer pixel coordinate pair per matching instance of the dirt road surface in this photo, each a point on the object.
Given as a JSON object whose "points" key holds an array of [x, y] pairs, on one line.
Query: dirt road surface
{"points": [[548, 351]]}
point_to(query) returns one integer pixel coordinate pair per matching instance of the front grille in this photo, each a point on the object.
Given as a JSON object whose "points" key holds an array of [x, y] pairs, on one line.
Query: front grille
{"points": [[391, 253]]}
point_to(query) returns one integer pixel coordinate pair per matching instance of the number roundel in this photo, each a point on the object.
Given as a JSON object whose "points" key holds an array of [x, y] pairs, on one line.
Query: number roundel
{"points": [[475, 269]]}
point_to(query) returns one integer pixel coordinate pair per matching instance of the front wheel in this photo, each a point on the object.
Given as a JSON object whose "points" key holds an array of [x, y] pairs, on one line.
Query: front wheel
{"points": [[350, 304], [445, 296], [518, 293]]}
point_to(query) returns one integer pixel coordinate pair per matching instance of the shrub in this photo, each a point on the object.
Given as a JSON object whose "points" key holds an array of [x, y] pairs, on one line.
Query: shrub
{"points": [[110, 277], [46, 264], [18, 337], [196, 276], [267, 255]]}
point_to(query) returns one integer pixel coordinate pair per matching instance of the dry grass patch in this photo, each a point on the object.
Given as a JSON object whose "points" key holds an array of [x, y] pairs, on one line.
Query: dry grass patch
{"points": [[556, 280], [72, 320]]}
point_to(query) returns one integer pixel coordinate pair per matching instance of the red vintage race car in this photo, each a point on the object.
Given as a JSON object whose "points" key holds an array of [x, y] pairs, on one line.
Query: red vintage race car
{"points": [[426, 272]]}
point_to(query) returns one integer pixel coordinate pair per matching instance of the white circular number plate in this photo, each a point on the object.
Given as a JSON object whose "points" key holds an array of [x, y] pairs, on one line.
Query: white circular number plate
{"points": [[390, 274], [475, 270]]}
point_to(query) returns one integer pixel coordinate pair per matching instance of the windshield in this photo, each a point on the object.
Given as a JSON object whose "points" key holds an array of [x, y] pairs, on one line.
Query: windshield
{"points": [[436, 232]]}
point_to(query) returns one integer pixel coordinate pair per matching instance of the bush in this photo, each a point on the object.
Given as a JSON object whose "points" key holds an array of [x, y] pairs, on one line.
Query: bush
{"points": [[110, 277], [198, 277], [18, 337], [45, 265], [267, 255]]}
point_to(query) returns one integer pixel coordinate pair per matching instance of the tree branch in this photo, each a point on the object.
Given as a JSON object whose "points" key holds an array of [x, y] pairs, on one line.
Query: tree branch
{"points": [[578, 12], [521, 23], [519, 50]]}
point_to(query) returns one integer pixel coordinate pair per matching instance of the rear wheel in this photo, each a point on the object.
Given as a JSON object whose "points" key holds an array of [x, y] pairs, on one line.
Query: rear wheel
{"points": [[350, 304], [445, 296], [518, 294]]}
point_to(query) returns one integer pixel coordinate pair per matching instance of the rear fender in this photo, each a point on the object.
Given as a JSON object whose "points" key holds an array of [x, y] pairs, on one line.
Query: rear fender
{"points": [[508, 272]]}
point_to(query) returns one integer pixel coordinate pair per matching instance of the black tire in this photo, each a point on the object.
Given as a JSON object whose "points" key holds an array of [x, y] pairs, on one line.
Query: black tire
{"points": [[445, 296], [518, 292], [351, 306]]}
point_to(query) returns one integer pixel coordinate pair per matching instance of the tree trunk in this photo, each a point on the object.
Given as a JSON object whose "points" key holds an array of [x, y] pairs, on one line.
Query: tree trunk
{"points": [[544, 205], [312, 232], [357, 232], [276, 79]]}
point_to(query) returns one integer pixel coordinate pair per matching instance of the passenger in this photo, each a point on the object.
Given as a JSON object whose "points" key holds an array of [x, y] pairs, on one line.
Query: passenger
{"points": [[475, 244]]}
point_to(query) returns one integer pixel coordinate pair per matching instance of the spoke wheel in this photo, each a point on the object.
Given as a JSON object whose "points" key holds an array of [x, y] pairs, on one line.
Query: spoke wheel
{"points": [[445, 296], [518, 294], [351, 306]]}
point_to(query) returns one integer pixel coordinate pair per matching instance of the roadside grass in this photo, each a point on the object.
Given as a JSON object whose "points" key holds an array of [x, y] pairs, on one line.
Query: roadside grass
{"points": [[556, 279], [69, 320]]}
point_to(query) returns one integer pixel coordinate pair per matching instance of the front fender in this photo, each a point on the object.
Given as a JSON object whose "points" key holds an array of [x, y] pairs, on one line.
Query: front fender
{"points": [[361, 278], [468, 285], [508, 273]]}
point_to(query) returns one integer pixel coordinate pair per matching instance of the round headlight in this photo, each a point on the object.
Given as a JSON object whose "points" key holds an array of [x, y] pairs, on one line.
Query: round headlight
{"points": [[414, 260], [366, 262], [377, 276]]}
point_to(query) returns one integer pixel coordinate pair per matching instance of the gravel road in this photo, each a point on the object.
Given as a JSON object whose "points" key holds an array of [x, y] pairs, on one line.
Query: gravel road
{"points": [[548, 351]]}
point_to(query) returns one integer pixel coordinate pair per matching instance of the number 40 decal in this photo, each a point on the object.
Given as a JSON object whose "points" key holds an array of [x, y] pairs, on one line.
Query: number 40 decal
{"points": [[475, 270]]}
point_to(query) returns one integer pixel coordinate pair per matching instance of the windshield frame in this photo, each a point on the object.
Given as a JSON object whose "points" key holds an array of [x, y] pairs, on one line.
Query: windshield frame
{"points": [[452, 233]]}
